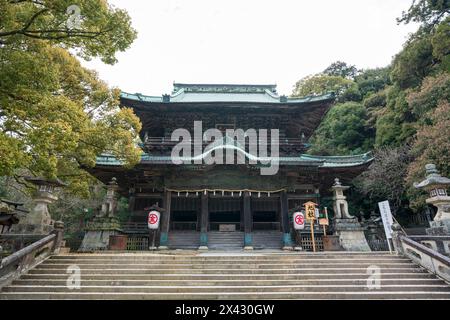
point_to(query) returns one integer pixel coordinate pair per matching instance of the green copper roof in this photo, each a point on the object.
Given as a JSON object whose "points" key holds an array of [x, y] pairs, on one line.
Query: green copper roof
{"points": [[305, 160], [188, 93]]}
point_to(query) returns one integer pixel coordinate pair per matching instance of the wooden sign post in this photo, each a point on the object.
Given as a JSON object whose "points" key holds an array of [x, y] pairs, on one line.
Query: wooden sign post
{"points": [[310, 212], [324, 221]]}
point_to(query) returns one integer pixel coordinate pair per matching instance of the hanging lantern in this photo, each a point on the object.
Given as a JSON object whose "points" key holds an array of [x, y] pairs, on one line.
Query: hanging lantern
{"points": [[232, 193], [259, 194], [206, 192], [187, 194], [178, 193], [268, 194], [240, 193]]}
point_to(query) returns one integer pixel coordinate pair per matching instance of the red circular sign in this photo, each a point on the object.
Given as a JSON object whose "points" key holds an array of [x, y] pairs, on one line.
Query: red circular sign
{"points": [[299, 219], [152, 218]]}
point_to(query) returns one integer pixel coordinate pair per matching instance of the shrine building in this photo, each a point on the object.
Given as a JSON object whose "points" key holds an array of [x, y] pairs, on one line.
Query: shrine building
{"points": [[224, 205]]}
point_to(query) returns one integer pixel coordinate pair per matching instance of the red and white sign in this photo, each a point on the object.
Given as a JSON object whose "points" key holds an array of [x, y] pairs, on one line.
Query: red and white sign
{"points": [[153, 219], [299, 220]]}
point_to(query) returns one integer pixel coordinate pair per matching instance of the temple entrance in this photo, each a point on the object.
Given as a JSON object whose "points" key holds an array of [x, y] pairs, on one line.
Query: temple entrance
{"points": [[225, 214], [266, 214], [185, 214]]}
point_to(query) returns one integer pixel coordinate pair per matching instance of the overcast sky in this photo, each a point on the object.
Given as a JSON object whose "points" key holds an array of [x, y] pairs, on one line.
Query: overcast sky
{"points": [[251, 41]]}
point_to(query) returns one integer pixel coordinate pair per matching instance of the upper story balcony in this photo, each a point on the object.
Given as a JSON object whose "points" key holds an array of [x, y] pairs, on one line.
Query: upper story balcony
{"points": [[286, 146]]}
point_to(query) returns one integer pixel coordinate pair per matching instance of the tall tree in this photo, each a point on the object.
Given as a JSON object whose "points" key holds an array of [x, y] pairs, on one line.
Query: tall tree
{"points": [[343, 131], [431, 145], [55, 115], [92, 28], [321, 84], [341, 69], [427, 12], [385, 178]]}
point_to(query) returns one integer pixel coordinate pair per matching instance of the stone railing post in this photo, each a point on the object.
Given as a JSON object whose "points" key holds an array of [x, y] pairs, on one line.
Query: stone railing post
{"points": [[397, 233], [59, 232]]}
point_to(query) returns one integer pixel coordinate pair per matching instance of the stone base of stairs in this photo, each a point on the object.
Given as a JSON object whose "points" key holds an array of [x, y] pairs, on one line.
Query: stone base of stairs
{"points": [[223, 275]]}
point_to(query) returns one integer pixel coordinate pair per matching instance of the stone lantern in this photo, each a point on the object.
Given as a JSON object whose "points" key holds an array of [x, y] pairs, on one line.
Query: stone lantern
{"points": [[105, 223], [437, 186], [347, 227], [39, 221]]}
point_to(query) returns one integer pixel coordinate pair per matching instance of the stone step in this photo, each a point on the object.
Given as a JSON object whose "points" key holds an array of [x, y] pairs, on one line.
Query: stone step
{"points": [[220, 262], [228, 275], [254, 256], [107, 269], [225, 240], [338, 295], [156, 266], [226, 289], [237, 277], [183, 240], [267, 240], [230, 282]]}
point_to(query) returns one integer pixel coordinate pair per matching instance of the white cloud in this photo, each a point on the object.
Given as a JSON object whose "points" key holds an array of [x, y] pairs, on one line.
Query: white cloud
{"points": [[251, 41]]}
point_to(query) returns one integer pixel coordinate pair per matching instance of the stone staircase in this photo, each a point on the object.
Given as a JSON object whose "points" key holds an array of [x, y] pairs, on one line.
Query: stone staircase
{"points": [[184, 240], [228, 275], [233, 240], [267, 239]]}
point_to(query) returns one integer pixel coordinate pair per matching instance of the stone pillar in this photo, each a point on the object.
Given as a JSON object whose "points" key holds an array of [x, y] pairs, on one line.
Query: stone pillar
{"points": [[350, 231], [204, 219], [165, 221], [285, 225], [397, 233], [248, 221], [437, 186], [104, 224], [59, 231]]}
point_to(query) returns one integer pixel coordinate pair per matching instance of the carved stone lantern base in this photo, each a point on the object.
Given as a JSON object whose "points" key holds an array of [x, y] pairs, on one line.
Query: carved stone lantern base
{"points": [[439, 228], [98, 232], [351, 234]]}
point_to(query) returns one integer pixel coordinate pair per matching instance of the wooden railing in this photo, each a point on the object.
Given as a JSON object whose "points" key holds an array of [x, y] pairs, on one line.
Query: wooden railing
{"points": [[215, 226], [135, 227], [184, 225], [266, 226], [12, 266], [285, 145]]}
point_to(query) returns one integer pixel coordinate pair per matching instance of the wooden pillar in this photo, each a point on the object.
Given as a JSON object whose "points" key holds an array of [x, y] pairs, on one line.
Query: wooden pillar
{"points": [[248, 222], [285, 223], [204, 219], [165, 220], [131, 203]]}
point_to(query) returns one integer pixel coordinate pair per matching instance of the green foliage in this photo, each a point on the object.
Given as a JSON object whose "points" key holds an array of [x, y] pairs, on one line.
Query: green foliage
{"points": [[427, 12], [385, 178], [373, 80], [413, 63], [321, 84], [427, 97], [342, 131], [441, 45], [431, 145], [103, 29], [341, 69], [55, 115]]}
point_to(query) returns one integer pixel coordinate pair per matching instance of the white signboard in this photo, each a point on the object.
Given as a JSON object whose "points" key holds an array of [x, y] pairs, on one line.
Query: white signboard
{"points": [[153, 219], [386, 216], [299, 221]]}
